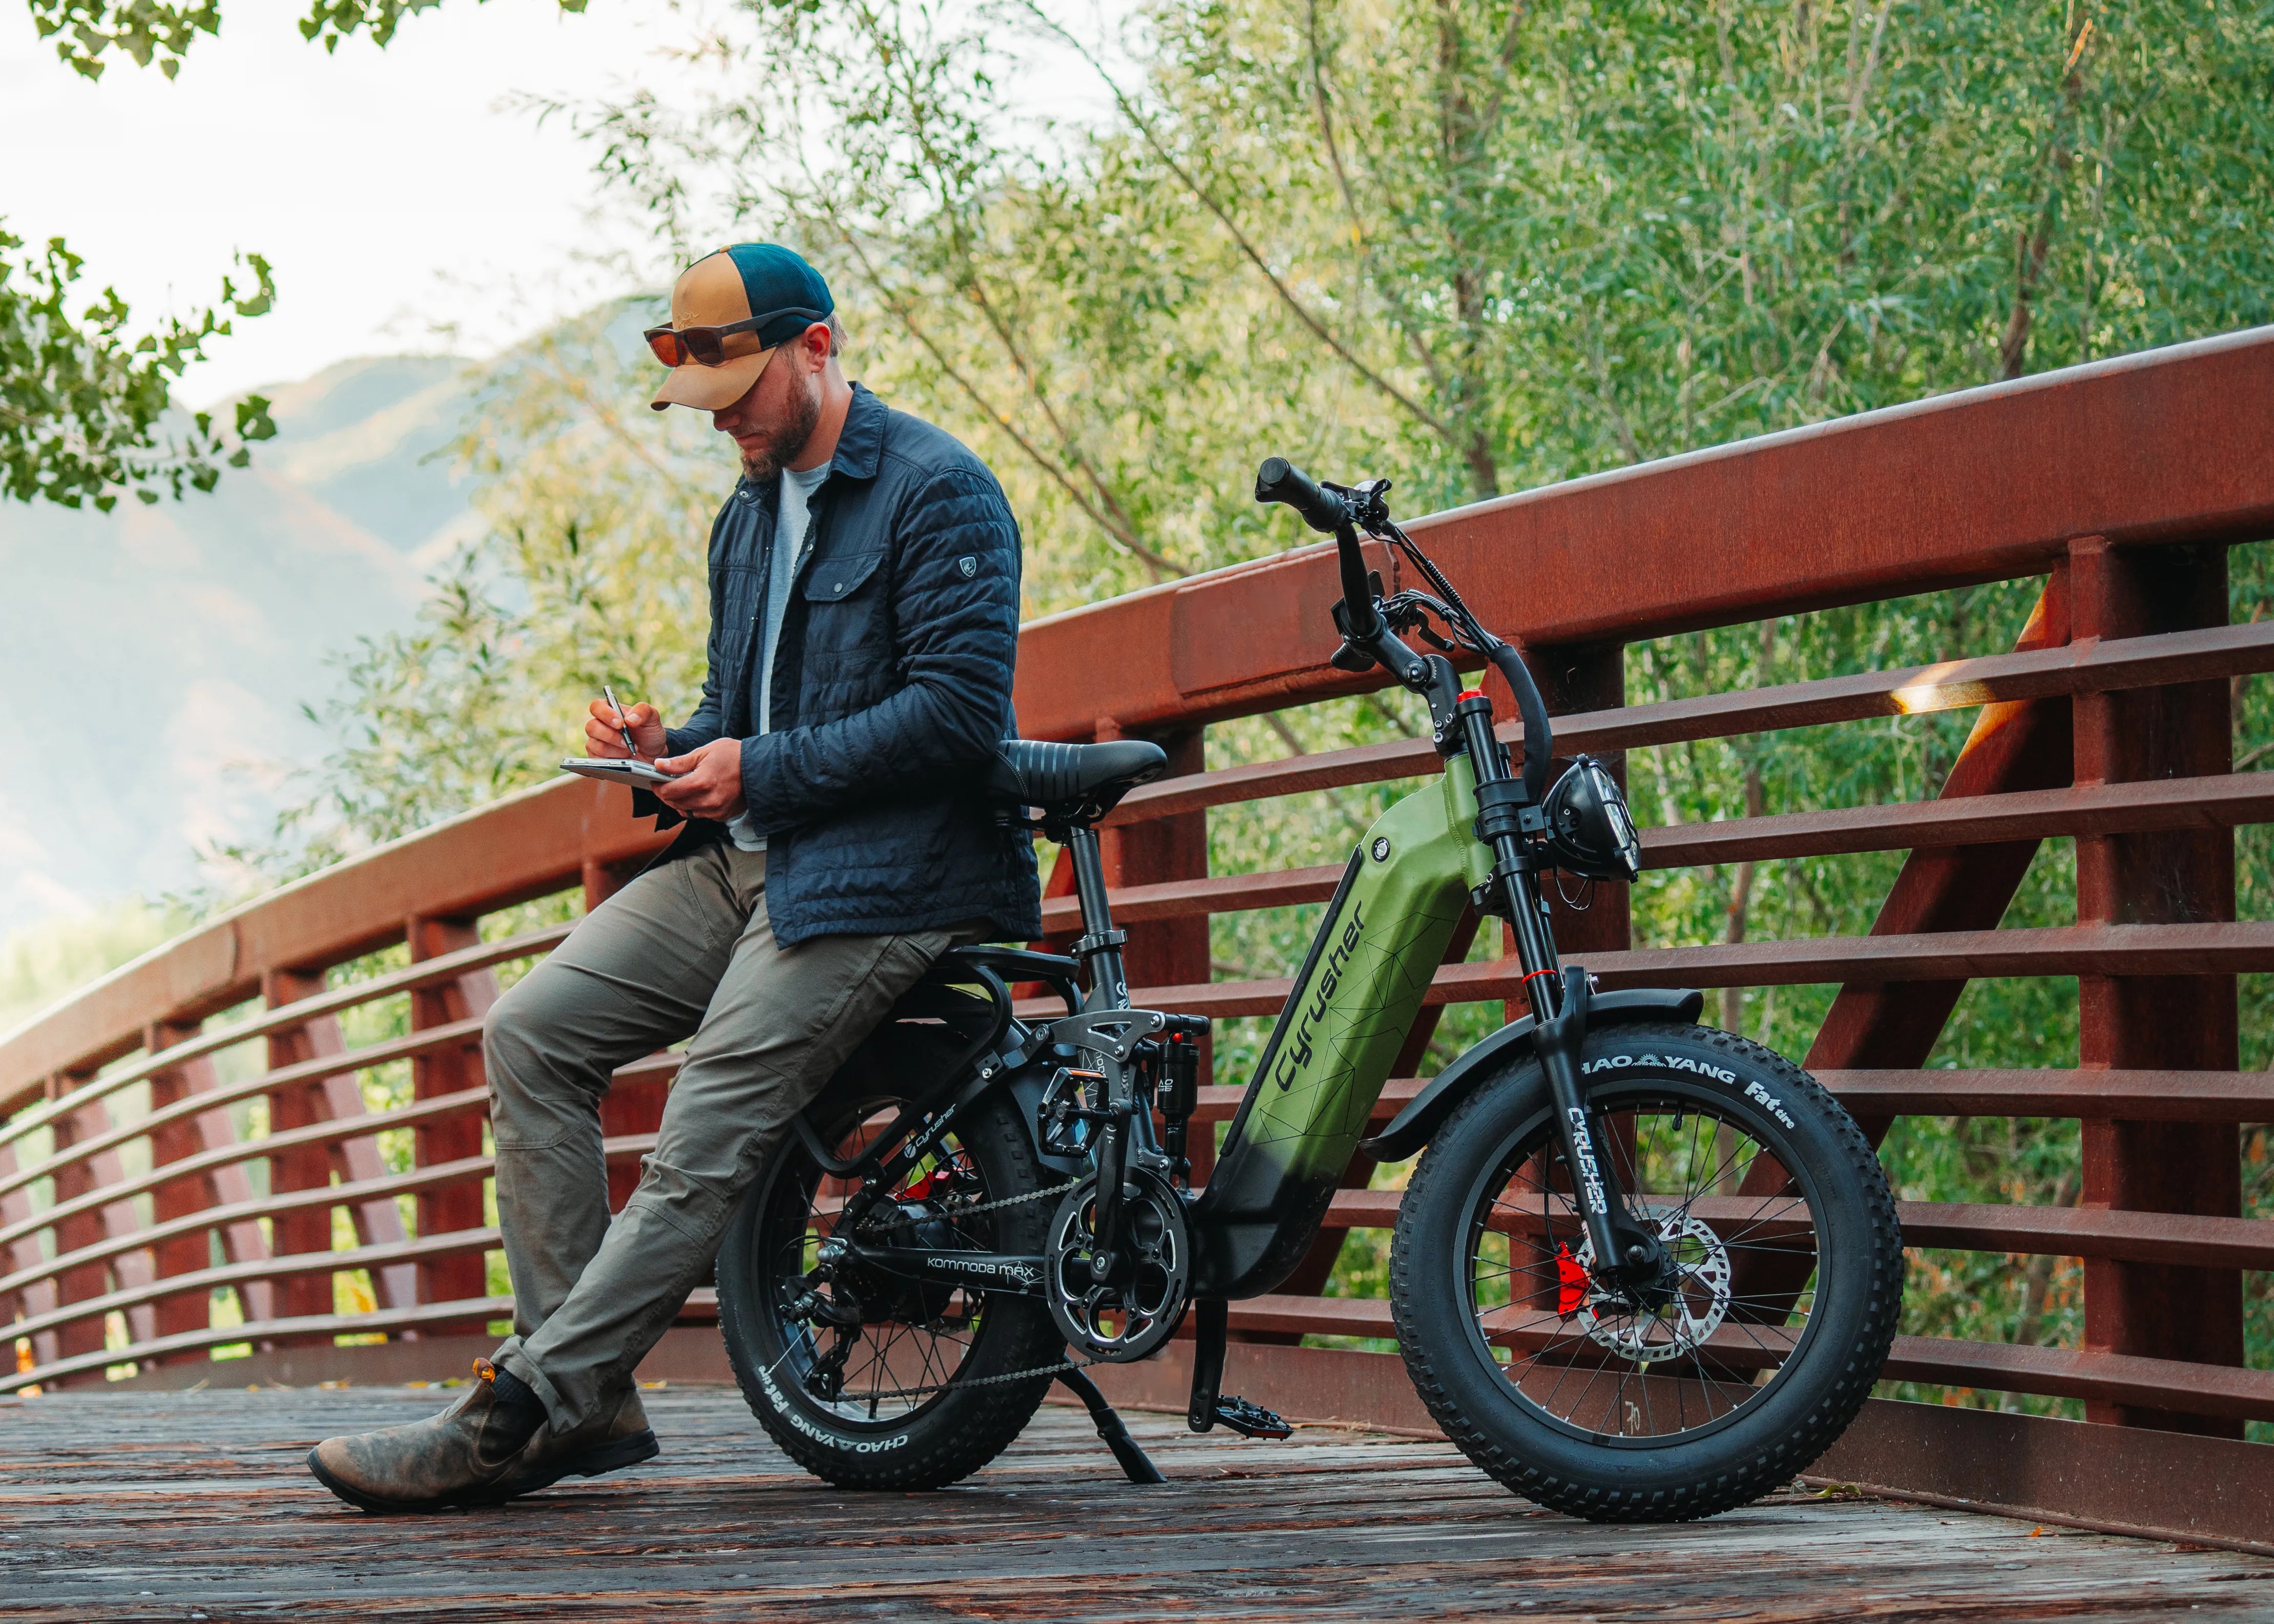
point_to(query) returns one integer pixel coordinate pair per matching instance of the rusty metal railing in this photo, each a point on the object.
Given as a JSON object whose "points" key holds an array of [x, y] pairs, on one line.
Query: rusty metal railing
{"points": [[131, 1193]]}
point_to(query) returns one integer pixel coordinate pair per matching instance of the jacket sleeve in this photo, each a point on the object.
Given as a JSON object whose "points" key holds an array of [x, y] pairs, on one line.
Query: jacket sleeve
{"points": [[959, 638]]}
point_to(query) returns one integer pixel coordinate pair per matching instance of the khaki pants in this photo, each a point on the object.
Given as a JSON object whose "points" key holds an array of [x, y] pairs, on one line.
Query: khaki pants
{"points": [[684, 948]]}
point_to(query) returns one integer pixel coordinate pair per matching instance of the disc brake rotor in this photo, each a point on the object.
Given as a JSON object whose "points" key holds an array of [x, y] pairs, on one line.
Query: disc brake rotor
{"points": [[1696, 1302], [1136, 1305]]}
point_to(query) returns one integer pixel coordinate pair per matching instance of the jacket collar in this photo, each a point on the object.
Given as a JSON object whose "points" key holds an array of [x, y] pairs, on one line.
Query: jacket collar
{"points": [[860, 442], [860, 447]]}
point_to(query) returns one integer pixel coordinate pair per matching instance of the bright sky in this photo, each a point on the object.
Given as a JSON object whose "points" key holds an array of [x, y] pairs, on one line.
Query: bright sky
{"points": [[392, 190]]}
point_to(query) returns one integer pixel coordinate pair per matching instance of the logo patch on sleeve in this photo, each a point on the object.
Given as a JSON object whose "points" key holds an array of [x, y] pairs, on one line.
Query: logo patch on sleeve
{"points": [[969, 566]]}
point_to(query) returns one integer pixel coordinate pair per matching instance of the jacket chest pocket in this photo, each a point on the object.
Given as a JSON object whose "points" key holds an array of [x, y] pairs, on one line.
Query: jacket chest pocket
{"points": [[844, 604]]}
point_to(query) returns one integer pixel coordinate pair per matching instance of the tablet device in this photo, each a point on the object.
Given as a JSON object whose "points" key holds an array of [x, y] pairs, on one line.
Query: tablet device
{"points": [[639, 774]]}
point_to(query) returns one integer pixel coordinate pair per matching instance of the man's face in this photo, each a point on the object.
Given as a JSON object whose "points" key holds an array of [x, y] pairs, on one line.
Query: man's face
{"points": [[772, 424]]}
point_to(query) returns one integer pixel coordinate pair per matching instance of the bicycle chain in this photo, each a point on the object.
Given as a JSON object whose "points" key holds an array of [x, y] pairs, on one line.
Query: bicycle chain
{"points": [[1008, 1376]]}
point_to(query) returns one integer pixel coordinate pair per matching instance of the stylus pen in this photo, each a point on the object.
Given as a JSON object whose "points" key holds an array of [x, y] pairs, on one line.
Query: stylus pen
{"points": [[622, 726]]}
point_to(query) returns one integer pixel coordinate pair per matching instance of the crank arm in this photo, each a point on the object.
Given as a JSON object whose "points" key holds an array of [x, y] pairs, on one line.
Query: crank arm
{"points": [[1624, 1249], [981, 1271]]}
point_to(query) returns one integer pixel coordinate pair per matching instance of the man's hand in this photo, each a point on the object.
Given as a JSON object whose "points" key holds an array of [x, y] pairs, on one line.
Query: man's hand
{"points": [[710, 783], [603, 738]]}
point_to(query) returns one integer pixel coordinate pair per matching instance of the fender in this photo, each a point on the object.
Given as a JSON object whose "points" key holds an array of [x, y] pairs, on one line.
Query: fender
{"points": [[1433, 1104]]}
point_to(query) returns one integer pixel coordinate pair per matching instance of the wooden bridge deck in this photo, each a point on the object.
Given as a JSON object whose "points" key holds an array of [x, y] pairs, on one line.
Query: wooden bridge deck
{"points": [[193, 1505]]}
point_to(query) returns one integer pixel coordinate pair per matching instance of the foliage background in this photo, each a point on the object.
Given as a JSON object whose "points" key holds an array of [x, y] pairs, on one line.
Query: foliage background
{"points": [[1481, 246]]}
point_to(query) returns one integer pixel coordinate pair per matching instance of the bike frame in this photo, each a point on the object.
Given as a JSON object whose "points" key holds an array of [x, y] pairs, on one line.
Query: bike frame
{"points": [[1353, 1005], [1469, 839]]}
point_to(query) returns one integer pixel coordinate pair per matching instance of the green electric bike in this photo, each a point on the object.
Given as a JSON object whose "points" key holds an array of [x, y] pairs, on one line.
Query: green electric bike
{"points": [[1645, 1270]]}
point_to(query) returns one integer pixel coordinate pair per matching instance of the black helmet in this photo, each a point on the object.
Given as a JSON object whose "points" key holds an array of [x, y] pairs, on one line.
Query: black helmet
{"points": [[1589, 832]]}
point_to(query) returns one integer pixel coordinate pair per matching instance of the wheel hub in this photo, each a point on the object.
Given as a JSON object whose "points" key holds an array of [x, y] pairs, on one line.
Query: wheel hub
{"points": [[1668, 1323]]}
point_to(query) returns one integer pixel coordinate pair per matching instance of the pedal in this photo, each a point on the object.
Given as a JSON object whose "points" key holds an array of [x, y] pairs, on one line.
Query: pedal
{"points": [[1250, 1420]]}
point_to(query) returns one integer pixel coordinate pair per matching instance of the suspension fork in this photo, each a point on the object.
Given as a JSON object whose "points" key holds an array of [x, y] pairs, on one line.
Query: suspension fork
{"points": [[1625, 1251]]}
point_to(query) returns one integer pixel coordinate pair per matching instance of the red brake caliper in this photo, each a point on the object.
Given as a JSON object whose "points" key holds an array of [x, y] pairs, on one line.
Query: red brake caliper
{"points": [[924, 1187], [1570, 1282]]}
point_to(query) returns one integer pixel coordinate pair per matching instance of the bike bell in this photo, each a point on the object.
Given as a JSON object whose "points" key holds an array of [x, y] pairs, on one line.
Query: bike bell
{"points": [[1589, 832]]}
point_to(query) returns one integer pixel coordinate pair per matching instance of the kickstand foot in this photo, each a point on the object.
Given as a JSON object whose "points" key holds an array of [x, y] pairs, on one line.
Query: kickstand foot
{"points": [[1136, 1465]]}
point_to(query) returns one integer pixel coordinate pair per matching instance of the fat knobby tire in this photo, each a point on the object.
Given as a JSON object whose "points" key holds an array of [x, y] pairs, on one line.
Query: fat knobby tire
{"points": [[954, 1433], [1858, 1302]]}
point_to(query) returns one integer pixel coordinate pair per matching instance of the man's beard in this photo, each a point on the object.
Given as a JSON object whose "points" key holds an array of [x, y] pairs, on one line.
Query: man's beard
{"points": [[784, 444]]}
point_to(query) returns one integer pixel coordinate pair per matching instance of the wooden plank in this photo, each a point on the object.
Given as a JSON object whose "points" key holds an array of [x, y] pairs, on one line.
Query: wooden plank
{"points": [[199, 1499]]}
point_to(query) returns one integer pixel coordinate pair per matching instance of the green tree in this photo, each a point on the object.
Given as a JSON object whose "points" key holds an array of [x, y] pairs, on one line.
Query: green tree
{"points": [[83, 401]]}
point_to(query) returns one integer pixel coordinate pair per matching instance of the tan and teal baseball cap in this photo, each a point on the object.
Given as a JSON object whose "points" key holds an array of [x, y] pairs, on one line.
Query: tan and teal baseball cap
{"points": [[729, 311]]}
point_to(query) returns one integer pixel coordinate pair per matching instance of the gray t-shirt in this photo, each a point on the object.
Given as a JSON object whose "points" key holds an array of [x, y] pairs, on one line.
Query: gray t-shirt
{"points": [[797, 489]]}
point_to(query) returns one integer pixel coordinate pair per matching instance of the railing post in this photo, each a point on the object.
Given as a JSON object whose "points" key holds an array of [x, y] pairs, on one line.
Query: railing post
{"points": [[107, 1221], [23, 1254], [183, 1254], [2179, 1023], [448, 1071], [309, 1167]]}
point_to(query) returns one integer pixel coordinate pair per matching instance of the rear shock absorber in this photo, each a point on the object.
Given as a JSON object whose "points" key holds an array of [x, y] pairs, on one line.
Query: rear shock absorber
{"points": [[1179, 1097]]}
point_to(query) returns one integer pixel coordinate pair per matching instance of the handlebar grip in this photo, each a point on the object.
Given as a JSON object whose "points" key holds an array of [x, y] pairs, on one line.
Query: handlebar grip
{"points": [[1278, 480]]}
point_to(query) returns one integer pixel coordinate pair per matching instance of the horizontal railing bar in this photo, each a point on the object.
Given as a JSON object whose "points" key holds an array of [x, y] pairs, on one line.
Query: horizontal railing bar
{"points": [[2051, 1372], [1952, 685], [2215, 803], [2230, 948], [2130, 1097], [2223, 801], [323, 1133], [2037, 1231], [2225, 1390], [621, 1147], [425, 972], [302, 1327], [197, 1104], [350, 1194], [287, 1266]]}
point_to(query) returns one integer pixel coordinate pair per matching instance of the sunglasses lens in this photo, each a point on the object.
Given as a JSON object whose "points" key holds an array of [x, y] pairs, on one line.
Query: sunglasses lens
{"points": [[664, 343], [703, 345]]}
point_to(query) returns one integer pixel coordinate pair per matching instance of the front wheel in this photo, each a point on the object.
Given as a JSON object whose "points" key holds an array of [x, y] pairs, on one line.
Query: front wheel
{"points": [[1737, 1368]]}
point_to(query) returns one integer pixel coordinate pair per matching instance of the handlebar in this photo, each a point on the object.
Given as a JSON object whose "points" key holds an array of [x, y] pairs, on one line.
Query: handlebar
{"points": [[1329, 511], [1278, 480]]}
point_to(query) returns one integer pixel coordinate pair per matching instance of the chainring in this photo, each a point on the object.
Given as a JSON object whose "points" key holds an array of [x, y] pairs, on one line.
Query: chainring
{"points": [[1140, 1305]]}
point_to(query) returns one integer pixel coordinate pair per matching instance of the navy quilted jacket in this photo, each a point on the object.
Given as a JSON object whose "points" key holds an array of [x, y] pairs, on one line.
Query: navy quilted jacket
{"points": [[891, 688]]}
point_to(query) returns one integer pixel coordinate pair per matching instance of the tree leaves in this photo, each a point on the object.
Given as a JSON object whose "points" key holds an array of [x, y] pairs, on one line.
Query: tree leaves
{"points": [[81, 401]]}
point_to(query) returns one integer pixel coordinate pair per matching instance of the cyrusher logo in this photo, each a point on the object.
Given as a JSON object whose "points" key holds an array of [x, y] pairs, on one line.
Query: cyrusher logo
{"points": [[1297, 1053]]}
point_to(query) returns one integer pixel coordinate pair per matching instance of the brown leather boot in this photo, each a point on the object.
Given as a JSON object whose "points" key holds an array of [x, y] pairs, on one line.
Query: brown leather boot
{"points": [[616, 1438], [461, 1457]]}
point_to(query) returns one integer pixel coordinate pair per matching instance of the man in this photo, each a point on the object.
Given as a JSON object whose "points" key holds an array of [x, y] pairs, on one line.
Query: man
{"points": [[864, 598]]}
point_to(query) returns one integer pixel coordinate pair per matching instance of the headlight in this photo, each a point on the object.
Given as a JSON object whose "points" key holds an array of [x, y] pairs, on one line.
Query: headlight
{"points": [[1589, 832]]}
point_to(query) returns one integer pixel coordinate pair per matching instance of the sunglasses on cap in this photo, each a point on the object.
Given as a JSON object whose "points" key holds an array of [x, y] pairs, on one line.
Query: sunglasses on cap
{"points": [[707, 346]]}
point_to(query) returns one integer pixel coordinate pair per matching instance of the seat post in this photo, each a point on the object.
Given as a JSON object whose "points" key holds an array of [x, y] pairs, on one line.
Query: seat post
{"points": [[1099, 947]]}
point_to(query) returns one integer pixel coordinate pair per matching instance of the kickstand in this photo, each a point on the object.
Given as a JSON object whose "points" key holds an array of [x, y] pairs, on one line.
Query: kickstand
{"points": [[1210, 1407], [1136, 1464]]}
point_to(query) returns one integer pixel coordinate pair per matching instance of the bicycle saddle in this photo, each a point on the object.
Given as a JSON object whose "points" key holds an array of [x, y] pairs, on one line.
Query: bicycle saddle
{"points": [[1078, 782]]}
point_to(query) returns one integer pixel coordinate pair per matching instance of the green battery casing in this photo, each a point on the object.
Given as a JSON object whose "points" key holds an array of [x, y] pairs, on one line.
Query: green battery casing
{"points": [[1352, 1003]]}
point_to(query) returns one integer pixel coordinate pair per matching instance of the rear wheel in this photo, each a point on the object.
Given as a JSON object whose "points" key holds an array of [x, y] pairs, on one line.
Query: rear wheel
{"points": [[1739, 1369], [874, 1382]]}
